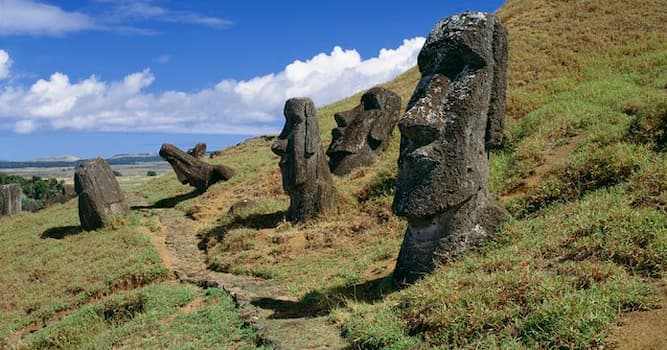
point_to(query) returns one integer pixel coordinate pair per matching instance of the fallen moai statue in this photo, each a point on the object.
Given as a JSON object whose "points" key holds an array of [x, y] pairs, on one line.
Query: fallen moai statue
{"points": [[304, 168], [362, 131], [11, 199], [192, 171], [198, 151], [100, 197], [454, 116]]}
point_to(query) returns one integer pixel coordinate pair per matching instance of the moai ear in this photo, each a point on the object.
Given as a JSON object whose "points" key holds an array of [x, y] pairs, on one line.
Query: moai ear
{"points": [[496, 114], [312, 130]]}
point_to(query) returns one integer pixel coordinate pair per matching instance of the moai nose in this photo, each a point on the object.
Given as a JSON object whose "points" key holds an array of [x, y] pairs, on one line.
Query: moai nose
{"points": [[279, 147]]}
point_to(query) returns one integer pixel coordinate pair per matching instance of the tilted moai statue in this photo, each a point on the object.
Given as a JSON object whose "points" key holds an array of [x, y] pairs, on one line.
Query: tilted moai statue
{"points": [[193, 171], [11, 199], [454, 116], [306, 176], [100, 197], [362, 132]]}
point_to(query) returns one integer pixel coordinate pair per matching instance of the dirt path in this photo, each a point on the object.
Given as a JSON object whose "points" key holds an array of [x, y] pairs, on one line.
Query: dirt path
{"points": [[646, 330], [178, 246]]}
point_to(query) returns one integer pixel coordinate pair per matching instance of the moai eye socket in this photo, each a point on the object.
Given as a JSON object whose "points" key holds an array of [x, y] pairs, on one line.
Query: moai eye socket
{"points": [[295, 119], [342, 119], [418, 134], [369, 101]]}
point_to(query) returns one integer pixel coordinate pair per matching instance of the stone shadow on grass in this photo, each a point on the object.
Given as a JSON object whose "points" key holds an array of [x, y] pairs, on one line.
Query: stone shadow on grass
{"points": [[318, 303], [171, 202], [253, 221], [61, 232]]}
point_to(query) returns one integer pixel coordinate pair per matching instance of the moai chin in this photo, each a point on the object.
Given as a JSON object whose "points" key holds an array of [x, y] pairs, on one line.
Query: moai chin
{"points": [[454, 117], [305, 173], [362, 132]]}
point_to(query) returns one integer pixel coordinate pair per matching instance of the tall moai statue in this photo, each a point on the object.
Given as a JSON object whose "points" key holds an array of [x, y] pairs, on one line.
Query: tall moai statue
{"points": [[304, 168], [100, 197], [11, 199], [363, 131], [454, 117]]}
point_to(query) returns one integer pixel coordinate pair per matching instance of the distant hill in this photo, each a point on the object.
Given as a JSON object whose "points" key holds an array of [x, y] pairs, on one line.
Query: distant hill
{"points": [[71, 161], [57, 159]]}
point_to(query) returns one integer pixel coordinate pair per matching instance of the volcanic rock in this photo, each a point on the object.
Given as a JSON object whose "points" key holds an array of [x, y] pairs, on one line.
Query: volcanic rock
{"points": [[100, 197], [454, 116], [362, 132], [304, 168]]}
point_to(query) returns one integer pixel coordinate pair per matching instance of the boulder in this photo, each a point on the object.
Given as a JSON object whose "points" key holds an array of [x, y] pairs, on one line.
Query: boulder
{"points": [[10, 199], [215, 154], [192, 171], [454, 117], [100, 197], [362, 131], [198, 151], [66, 193], [303, 165]]}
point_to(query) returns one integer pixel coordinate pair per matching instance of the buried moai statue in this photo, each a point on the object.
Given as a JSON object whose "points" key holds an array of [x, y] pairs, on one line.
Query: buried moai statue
{"points": [[11, 199], [362, 132], [305, 173], [454, 116], [100, 197], [192, 171]]}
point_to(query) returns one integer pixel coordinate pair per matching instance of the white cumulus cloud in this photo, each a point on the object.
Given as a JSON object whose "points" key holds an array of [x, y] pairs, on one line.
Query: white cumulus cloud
{"points": [[5, 63], [247, 107]]}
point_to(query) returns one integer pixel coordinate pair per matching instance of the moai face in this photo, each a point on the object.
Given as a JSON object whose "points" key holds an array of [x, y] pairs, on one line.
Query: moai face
{"points": [[298, 142], [444, 154], [362, 131]]}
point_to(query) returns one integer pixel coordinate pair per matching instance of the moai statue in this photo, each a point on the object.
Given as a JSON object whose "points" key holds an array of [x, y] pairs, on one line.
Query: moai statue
{"points": [[10, 199], [198, 151], [100, 197], [454, 116], [306, 176], [192, 171], [362, 132]]}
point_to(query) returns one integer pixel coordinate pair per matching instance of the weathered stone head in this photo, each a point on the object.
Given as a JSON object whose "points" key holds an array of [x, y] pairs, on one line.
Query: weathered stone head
{"points": [[362, 132], [303, 165], [100, 197], [453, 118], [192, 171]]}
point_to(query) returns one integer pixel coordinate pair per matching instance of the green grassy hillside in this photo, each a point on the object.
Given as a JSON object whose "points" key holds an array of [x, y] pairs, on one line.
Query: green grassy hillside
{"points": [[583, 171]]}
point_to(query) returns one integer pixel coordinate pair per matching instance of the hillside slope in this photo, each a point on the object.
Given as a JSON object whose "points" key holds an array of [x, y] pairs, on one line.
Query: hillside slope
{"points": [[583, 171]]}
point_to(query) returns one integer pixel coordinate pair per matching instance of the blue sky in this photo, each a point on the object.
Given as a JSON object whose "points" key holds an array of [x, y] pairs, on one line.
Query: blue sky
{"points": [[102, 77]]}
